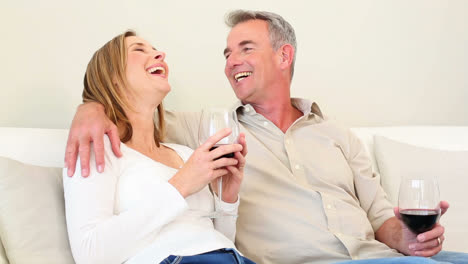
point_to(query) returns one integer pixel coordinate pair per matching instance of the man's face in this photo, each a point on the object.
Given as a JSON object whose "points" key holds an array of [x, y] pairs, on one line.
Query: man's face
{"points": [[251, 62]]}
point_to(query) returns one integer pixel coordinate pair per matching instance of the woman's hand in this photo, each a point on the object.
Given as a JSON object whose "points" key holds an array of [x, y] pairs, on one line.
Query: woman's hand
{"points": [[204, 166], [233, 178]]}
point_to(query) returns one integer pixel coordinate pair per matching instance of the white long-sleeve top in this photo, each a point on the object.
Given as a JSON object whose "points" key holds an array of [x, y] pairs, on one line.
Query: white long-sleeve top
{"points": [[130, 213]]}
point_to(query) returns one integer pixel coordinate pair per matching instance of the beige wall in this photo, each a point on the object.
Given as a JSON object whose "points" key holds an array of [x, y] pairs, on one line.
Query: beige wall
{"points": [[365, 62]]}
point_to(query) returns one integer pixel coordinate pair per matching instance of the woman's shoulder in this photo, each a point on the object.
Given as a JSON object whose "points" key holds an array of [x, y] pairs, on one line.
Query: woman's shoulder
{"points": [[109, 155]]}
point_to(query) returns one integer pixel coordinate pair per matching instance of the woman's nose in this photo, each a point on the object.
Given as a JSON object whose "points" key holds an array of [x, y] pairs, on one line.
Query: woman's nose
{"points": [[160, 55]]}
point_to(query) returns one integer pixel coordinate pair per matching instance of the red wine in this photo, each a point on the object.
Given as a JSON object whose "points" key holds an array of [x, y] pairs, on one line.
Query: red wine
{"points": [[419, 220], [229, 155]]}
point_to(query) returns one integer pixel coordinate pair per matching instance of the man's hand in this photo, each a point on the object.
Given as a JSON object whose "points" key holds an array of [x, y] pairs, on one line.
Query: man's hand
{"points": [[426, 244], [89, 125], [396, 235]]}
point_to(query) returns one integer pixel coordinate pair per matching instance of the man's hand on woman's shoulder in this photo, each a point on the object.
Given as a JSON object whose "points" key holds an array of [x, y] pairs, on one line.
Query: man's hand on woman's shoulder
{"points": [[89, 125]]}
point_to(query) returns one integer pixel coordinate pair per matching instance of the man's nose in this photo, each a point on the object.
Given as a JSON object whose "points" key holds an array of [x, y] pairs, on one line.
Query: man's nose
{"points": [[233, 60]]}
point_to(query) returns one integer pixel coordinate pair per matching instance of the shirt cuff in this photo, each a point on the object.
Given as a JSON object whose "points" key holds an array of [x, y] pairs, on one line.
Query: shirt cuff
{"points": [[229, 207], [175, 197]]}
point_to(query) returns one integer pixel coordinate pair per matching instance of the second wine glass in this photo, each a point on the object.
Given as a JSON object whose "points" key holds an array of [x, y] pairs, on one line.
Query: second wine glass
{"points": [[419, 203], [213, 120]]}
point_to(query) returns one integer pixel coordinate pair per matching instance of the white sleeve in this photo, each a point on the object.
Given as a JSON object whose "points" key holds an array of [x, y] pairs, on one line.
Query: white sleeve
{"points": [[96, 233], [227, 225]]}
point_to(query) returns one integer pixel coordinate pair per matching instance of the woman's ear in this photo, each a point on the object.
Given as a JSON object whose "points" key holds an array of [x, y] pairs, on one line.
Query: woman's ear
{"points": [[286, 55], [115, 82]]}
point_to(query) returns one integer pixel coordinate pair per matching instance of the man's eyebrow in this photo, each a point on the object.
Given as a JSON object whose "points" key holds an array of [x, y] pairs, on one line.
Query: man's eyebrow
{"points": [[242, 43], [245, 42]]}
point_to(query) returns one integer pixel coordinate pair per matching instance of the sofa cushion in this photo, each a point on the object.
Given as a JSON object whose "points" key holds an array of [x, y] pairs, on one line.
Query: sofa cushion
{"points": [[32, 214], [396, 159], [3, 258]]}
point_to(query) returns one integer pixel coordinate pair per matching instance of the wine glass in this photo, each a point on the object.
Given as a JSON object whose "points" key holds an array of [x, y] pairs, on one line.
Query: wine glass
{"points": [[212, 120], [419, 203]]}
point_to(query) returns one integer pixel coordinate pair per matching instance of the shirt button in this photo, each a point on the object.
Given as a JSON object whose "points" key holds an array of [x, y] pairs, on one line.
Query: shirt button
{"points": [[288, 141], [265, 123], [329, 206], [298, 167], [247, 110]]}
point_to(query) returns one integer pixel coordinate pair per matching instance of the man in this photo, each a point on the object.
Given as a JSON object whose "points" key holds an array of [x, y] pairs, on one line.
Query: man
{"points": [[309, 194]]}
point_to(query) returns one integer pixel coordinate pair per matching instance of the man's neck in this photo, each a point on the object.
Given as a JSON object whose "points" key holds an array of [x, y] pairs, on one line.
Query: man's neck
{"points": [[280, 112]]}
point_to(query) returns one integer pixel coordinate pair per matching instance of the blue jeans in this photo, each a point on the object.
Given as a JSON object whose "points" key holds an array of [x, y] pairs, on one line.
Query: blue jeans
{"points": [[442, 257], [220, 256]]}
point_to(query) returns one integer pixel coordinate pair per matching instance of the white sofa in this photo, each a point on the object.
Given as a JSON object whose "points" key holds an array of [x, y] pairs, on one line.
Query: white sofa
{"points": [[32, 222]]}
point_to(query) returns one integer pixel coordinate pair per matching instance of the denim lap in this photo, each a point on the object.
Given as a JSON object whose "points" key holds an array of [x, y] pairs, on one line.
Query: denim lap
{"points": [[213, 257], [444, 257]]}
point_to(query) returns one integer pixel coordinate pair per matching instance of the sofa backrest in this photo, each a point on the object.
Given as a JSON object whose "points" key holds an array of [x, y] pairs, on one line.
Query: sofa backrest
{"points": [[36, 146], [434, 137], [46, 147]]}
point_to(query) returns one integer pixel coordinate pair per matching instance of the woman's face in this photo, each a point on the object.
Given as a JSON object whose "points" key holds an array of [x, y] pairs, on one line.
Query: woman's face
{"points": [[146, 71]]}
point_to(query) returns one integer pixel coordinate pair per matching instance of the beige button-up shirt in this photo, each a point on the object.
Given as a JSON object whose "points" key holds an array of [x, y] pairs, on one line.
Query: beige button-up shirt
{"points": [[308, 196]]}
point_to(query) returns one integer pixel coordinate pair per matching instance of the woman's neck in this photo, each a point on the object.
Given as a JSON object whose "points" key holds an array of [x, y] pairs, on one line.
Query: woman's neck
{"points": [[142, 131]]}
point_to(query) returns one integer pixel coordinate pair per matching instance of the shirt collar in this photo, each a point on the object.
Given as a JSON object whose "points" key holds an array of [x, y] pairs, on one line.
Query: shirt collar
{"points": [[306, 106]]}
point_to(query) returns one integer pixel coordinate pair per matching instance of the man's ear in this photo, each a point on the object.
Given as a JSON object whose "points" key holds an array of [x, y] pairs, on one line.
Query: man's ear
{"points": [[286, 55]]}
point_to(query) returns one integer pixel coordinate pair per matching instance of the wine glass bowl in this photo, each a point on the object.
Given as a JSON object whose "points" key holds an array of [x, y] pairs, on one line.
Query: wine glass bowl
{"points": [[214, 119], [419, 203]]}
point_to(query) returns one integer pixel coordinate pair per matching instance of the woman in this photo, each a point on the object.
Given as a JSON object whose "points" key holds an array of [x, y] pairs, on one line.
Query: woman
{"points": [[145, 207]]}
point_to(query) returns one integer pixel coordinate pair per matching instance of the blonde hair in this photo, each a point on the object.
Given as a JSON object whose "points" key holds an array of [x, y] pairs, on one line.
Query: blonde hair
{"points": [[105, 83]]}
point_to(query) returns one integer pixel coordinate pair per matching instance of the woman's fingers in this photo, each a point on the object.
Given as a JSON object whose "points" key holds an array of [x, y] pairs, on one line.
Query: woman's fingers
{"points": [[219, 173], [241, 160], [224, 162], [223, 150], [243, 142], [211, 141]]}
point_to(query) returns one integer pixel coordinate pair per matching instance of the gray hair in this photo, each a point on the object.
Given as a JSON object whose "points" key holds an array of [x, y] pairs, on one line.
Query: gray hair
{"points": [[281, 32]]}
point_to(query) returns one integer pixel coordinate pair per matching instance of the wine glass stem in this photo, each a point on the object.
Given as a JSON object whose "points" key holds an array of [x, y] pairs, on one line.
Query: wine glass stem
{"points": [[220, 189]]}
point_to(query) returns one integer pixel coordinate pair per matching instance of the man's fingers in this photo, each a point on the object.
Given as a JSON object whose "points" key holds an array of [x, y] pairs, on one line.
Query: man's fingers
{"points": [[434, 233], [70, 158], [113, 134], [84, 157], [431, 250], [429, 244], [444, 206], [98, 144]]}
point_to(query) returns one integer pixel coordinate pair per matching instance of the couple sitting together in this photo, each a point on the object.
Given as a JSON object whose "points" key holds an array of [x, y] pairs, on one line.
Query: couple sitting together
{"points": [[308, 196]]}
